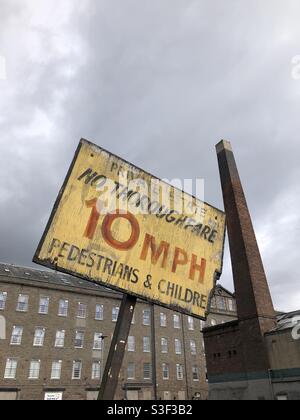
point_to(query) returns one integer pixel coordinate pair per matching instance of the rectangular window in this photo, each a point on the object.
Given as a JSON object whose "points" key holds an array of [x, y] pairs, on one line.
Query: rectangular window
{"points": [[177, 346], [56, 370], [16, 336], [39, 337], [115, 313], [98, 338], [203, 345], [22, 305], [96, 370], [131, 343], [221, 303], [99, 315], [179, 372], [147, 371], [11, 369], [164, 345], [60, 338], [191, 323], [176, 319], [146, 317], [193, 347], [231, 305], [195, 373], [3, 297], [146, 345], [63, 307], [77, 367], [163, 319], [213, 303], [34, 369], [79, 339], [165, 370], [81, 310], [44, 305], [131, 371]]}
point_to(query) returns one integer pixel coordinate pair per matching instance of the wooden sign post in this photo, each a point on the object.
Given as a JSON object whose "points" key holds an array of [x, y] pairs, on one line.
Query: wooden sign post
{"points": [[117, 349]]}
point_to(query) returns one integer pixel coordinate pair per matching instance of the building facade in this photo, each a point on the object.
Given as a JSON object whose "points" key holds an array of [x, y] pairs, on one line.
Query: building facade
{"points": [[55, 333]]}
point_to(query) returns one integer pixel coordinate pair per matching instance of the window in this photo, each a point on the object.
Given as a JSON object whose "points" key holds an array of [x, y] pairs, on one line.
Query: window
{"points": [[231, 306], [221, 303], [176, 319], [63, 307], [16, 336], [179, 372], [98, 338], [193, 347], [44, 305], [115, 313], [131, 371], [147, 370], [39, 337], [213, 303], [203, 345], [191, 323], [146, 345], [77, 367], [177, 346], [22, 305], [56, 370], [81, 310], [34, 369], [79, 338], [163, 320], [164, 345], [11, 369], [96, 370], [146, 317], [195, 373], [60, 338], [3, 297], [99, 316], [131, 343], [282, 397], [165, 370]]}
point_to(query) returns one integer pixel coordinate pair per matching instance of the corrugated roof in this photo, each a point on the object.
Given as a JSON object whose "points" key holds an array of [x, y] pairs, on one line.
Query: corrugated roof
{"points": [[287, 321]]}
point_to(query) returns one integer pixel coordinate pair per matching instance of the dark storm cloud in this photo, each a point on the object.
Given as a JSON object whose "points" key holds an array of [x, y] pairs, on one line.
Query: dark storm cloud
{"points": [[159, 83]]}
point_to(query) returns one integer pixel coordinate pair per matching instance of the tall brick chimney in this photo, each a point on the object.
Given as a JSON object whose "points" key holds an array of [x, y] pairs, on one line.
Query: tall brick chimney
{"points": [[252, 291], [238, 364]]}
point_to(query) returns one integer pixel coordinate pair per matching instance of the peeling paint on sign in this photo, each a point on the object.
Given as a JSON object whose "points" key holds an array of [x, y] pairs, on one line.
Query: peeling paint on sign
{"points": [[165, 256]]}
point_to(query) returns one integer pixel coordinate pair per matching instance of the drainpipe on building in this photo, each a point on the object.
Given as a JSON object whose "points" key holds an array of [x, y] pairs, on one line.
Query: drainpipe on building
{"points": [[154, 375], [271, 384], [185, 361]]}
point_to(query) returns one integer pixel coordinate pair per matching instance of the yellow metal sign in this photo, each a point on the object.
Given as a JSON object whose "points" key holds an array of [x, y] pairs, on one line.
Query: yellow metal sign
{"points": [[119, 226]]}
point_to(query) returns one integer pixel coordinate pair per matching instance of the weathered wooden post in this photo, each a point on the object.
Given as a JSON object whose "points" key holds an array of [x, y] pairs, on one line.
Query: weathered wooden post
{"points": [[117, 349]]}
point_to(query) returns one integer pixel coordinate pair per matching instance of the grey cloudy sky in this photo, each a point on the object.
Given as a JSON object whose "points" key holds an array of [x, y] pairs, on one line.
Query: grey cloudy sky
{"points": [[158, 82]]}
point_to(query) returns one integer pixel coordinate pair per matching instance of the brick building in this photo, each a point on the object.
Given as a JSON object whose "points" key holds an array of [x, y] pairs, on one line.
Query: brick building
{"points": [[55, 332], [227, 376]]}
